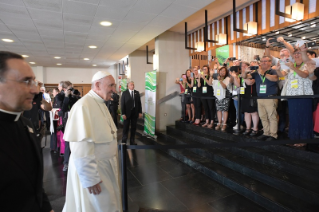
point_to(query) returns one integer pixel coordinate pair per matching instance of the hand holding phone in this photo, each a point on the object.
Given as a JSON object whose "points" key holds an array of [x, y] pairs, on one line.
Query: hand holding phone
{"points": [[192, 75], [310, 44]]}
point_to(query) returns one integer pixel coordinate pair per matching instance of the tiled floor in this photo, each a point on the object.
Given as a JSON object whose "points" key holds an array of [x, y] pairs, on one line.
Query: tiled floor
{"points": [[156, 181]]}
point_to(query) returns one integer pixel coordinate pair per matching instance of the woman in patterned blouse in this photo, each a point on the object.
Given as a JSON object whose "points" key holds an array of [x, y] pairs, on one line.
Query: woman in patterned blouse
{"points": [[298, 83]]}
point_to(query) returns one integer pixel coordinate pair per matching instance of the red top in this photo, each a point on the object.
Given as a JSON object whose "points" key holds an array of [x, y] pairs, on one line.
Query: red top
{"points": [[182, 89]]}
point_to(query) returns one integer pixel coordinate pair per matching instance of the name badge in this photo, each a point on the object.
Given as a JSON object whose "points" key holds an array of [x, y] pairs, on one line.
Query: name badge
{"points": [[242, 90], [194, 89], [218, 92], [204, 89], [186, 91], [294, 83], [235, 92], [281, 78], [30, 129], [263, 89]]}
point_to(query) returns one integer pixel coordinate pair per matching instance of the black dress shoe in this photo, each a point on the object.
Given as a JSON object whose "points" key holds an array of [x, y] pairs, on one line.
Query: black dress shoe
{"points": [[262, 137], [247, 132], [270, 138], [253, 133]]}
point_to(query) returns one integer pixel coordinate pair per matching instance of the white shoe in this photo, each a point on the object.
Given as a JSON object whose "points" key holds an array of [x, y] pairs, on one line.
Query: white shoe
{"points": [[235, 127]]}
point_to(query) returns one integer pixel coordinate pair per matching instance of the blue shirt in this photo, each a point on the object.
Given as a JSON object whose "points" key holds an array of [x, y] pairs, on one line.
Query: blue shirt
{"points": [[272, 87]]}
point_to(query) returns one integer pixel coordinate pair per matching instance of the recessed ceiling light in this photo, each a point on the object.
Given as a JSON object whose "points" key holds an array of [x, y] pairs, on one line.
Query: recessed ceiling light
{"points": [[93, 65], [304, 37], [7, 40], [86, 59], [277, 33], [313, 25], [106, 23], [92, 47], [24, 55], [57, 57], [312, 22], [59, 64], [263, 39], [32, 62], [289, 35]]}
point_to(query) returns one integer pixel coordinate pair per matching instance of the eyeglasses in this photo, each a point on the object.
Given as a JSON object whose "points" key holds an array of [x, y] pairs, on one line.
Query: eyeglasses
{"points": [[28, 82], [264, 61], [297, 53]]}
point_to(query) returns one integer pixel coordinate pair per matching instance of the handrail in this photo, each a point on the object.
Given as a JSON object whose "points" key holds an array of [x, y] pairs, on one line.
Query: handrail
{"points": [[168, 97]]}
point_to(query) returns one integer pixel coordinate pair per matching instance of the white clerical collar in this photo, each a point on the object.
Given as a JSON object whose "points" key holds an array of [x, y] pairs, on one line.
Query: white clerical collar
{"points": [[96, 96], [18, 114]]}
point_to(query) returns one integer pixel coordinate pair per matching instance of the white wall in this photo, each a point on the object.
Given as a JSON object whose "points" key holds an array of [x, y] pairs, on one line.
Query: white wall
{"points": [[53, 75], [138, 68], [173, 60]]}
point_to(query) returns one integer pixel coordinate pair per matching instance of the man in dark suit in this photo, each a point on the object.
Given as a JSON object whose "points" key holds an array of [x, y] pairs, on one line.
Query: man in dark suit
{"points": [[131, 109], [113, 105], [20, 153]]}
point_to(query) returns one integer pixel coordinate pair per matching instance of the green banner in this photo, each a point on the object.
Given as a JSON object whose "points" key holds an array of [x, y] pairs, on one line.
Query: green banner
{"points": [[150, 103], [222, 53]]}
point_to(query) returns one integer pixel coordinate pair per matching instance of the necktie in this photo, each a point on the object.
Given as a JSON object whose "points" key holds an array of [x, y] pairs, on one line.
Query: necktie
{"points": [[133, 98]]}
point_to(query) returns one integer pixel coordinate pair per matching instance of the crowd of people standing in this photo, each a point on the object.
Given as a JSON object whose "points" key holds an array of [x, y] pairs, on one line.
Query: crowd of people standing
{"points": [[210, 94]]}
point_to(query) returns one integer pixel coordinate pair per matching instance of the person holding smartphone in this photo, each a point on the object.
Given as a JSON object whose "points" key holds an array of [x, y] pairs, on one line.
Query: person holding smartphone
{"points": [[298, 83], [207, 91], [196, 92], [221, 92], [188, 85]]}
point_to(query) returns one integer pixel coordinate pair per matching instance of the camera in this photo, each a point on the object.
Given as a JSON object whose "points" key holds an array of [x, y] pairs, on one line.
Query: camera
{"points": [[232, 58], [71, 89]]}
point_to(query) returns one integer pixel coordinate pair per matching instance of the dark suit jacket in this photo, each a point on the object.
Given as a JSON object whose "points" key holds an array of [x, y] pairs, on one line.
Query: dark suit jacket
{"points": [[127, 103], [20, 192]]}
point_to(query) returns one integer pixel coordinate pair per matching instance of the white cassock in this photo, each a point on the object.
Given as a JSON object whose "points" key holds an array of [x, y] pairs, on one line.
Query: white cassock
{"points": [[92, 135]]}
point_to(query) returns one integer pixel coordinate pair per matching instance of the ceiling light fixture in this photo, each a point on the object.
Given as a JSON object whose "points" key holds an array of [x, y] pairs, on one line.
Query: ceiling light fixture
{"points": [[313, 25], [7, 40], [200, 46], [94, 65], [250, 28], [59, 64], [186, 40], [221, 39], [277, 32], [86, 59], [24, 55], [92, 47], [264, 39], [303, 37], [32, 62], [293, 12], [57, 57], [106, 23], [289, 35]]}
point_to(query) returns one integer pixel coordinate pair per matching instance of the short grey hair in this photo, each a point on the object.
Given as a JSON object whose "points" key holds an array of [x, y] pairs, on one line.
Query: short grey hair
{"points": [[130, 82]]}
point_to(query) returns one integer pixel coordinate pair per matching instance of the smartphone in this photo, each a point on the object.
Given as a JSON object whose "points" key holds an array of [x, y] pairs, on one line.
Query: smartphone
{"points": [[310, 44], [192, 74], [254, 67], [234, 68], [299, 43], [232, 58], [273, 40], [181, 79], [184, 76], [198, 71], [283, 64]]}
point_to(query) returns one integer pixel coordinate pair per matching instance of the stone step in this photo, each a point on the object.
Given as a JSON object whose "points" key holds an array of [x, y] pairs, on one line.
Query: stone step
{"points": [[283, 150], [268, 197], [289, 183]]}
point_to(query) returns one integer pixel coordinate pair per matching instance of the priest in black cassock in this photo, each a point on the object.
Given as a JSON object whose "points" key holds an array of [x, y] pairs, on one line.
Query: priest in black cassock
{"points": [[20, 153]]}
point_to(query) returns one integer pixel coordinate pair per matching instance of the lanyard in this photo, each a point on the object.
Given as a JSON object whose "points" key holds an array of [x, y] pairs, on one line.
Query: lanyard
{"points": [[263, 78], [205, 81], [295, 64]]}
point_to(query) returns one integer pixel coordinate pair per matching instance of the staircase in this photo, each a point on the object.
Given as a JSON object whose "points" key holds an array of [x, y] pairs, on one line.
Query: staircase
{"points": [[277, 177]]}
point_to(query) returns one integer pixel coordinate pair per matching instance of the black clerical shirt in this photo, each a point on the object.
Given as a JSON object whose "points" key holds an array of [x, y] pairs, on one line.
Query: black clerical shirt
{"points": [[21, 165]]}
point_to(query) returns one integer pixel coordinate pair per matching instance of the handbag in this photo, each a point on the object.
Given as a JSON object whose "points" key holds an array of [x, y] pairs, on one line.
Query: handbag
{"points": [[253, 102]]}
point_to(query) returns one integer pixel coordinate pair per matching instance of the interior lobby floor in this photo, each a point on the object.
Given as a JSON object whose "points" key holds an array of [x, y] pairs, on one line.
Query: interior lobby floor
{"points": [[156, 182]]}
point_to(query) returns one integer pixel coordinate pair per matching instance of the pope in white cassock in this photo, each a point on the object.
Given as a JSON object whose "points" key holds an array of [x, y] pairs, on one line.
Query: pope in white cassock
{"points": [[92, 183]]}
